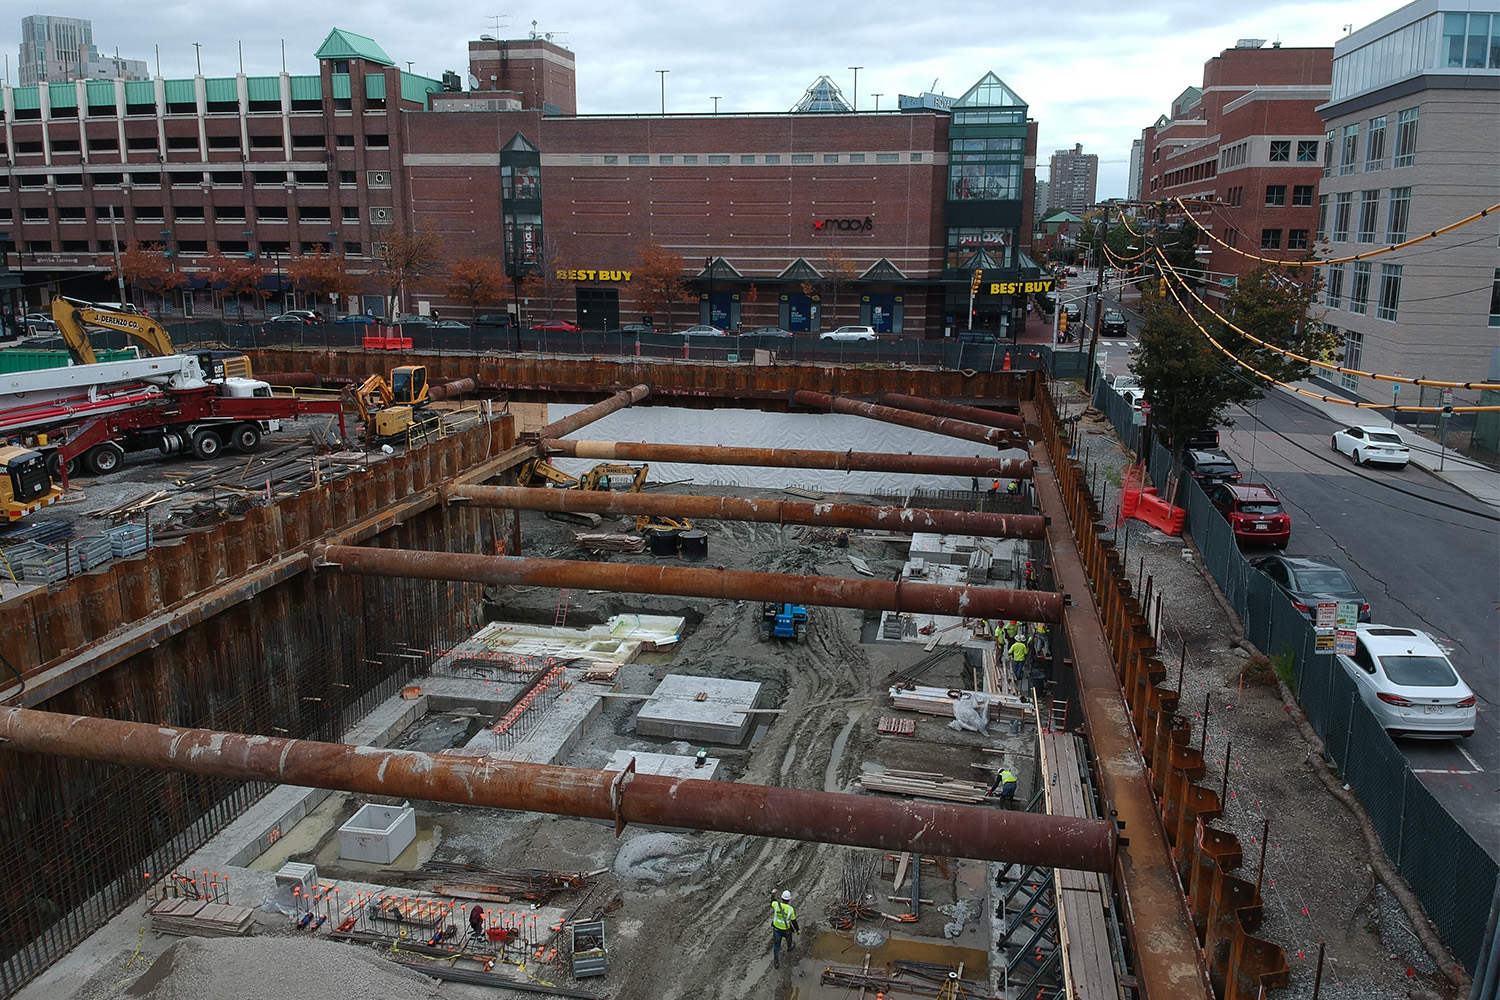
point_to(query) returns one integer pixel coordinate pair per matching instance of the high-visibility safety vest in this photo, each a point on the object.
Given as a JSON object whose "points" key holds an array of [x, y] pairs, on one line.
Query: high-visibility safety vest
{"points": [[782, 915], [1018, 651], [1006, 778]]}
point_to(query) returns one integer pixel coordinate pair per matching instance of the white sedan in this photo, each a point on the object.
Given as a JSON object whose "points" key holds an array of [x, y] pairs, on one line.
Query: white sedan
{"points": [[1372, 444], [1407, 683]]}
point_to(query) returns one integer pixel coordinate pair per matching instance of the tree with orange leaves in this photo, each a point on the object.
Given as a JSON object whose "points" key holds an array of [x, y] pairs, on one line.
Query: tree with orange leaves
{"points": [[322, 273], [477, 281], [238, 277], [659, 279], [147, 267]]}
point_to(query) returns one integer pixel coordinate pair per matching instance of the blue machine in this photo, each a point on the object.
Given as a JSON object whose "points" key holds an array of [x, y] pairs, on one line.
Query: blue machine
{"points": [[784, 621]]}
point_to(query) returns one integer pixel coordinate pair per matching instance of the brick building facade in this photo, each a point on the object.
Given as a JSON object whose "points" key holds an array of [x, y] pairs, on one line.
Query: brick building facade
{"points": [[1247, 148], [803, 221]]}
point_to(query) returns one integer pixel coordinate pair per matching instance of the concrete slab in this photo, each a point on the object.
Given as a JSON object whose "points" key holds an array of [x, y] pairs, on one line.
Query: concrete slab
{"points": [[669, 765], [675, 711], [517, 649]]}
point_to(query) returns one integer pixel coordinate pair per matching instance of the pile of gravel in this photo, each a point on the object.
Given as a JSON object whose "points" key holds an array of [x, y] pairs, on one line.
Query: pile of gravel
{"points": [[275, 968]]}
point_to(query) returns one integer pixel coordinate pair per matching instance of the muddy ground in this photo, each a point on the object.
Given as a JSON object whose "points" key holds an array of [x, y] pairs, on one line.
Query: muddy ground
{"points": [[689, 913]]}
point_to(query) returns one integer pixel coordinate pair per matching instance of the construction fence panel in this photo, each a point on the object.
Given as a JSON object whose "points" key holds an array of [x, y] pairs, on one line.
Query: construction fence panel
{"points": [[1453, 876]]}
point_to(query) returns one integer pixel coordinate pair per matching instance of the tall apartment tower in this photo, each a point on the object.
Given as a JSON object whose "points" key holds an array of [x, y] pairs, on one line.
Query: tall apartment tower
{"points": [[56, 49], [1074, 179]]}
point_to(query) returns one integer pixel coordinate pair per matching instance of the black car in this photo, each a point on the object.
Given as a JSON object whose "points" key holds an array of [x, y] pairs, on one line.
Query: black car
{"points": [[1114, 323], [635, 329], [769, 331], [975, 337], [1310, 581], [496, 320], [1210, 465]]}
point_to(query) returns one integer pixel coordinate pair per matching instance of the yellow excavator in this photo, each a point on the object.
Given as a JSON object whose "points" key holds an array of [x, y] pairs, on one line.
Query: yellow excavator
{"points": [[541, 472], [74, 316], [391, 409]]}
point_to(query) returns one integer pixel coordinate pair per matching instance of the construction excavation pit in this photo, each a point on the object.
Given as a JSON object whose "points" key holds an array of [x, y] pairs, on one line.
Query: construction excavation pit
{"points": [[518, 713]]}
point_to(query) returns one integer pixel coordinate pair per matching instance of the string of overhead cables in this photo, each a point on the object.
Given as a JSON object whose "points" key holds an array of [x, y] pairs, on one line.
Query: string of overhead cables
{"points": [[1272, 380], [1390, 248], [1327, 366]]}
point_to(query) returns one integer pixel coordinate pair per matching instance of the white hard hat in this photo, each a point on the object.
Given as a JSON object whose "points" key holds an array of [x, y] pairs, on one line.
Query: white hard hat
{"points": [[786, 895]]}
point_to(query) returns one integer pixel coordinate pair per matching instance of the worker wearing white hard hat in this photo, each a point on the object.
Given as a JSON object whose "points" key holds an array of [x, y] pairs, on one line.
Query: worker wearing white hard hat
{"points": [[783, 925]]}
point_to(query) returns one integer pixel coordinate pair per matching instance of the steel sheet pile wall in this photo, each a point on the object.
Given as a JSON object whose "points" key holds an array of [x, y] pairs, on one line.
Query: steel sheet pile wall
{"points": [[1451, 874], [681, 382], [291, 655], [1226, 910]]}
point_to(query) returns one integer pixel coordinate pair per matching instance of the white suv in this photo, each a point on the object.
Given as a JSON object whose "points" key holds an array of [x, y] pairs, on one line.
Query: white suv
{"points": [[849, 333]]}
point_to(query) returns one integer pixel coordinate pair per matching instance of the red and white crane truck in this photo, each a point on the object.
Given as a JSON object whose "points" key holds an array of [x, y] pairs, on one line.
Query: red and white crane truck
{"points": [[90, 415]]}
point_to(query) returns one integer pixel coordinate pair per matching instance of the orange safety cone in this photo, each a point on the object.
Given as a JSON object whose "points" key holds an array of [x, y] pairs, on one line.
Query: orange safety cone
{"points": [[1005, 366]]}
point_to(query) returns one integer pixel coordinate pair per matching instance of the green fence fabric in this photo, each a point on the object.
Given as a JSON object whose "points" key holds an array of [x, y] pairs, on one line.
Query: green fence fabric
{"points": [[1451, 874], [63, 95]]}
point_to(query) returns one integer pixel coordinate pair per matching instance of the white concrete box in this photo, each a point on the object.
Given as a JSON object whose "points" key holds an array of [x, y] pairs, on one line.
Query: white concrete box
{"points": [[378, 834]]}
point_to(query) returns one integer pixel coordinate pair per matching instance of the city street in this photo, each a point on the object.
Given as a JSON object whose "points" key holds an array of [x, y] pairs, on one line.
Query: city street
{"points": [[1423, 553]]}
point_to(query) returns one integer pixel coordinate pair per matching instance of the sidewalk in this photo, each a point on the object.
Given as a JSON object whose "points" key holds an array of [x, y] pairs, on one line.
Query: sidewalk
{"points": [[1478, 481]]}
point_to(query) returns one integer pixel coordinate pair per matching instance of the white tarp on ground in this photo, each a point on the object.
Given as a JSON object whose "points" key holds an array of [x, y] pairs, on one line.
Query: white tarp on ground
{"points": [[756, 429]]}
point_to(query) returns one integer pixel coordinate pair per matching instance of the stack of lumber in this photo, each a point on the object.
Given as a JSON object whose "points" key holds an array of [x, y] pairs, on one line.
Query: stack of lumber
{"points": [[198, 918], [609, 541], [924, 784], [897, 727], [938, 701], [602, 673]]}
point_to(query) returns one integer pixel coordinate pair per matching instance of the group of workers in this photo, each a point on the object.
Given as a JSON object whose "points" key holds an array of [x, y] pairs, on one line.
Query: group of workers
{"points": [[1022, 644]]}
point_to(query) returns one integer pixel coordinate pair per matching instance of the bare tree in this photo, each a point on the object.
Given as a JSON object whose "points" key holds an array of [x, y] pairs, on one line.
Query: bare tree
{"points": [[405, 255], [659, 279]]}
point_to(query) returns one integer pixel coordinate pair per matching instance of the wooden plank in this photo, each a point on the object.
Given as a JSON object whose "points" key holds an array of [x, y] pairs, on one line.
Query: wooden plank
{"points": [[901, 868]]}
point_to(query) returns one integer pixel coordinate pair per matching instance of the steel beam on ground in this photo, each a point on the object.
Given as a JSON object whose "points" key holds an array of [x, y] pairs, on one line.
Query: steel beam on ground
{"points": [[601, 409], [720, 584], [906, 418], [836, 515], [973, 414], [626, 797], [792, 458]]}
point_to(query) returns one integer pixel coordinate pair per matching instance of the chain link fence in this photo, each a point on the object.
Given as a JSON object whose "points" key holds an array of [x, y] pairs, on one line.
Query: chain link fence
{"points": [[1449, 872]]}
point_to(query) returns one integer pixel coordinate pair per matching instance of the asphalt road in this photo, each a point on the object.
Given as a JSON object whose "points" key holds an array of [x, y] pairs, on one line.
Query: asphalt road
{"points": [[1425, 555], [1420, 564]]}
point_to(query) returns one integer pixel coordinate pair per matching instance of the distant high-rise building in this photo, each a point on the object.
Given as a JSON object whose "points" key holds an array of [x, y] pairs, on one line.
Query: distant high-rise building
{"points": [[55, 49], [1074, 179], [1043, 194], [1137, 159]]}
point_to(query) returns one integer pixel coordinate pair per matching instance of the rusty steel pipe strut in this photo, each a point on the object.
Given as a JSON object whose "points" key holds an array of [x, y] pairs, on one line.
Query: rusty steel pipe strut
{"points": [[836, 515], [973, 414], [601, 409], [959, 831], [906, 418], [793, 458], [721, 584], [451, 390]]}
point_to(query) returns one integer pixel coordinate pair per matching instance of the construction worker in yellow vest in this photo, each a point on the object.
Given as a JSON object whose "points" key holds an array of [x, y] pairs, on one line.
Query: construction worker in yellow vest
{"points": [[783, 925], [1043, 637], [1006, 782], [1017, 653]]}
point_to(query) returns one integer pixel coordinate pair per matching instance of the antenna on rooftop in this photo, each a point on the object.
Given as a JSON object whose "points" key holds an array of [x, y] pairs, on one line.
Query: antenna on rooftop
{"points": [[497, 18]]}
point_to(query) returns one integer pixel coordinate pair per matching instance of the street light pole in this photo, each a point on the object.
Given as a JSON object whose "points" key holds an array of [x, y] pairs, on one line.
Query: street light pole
{"points": [[708, 266], [1101, 233], [856, 86], [716, 105], [114, 243], [877, 100]]}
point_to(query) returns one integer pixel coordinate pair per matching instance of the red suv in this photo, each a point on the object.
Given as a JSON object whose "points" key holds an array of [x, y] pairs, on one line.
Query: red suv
{"points": [[1254, 513]]}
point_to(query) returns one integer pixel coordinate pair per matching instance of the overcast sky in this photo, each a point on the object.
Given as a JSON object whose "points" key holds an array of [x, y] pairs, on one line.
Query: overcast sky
{"points": [[1091, 72]]}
